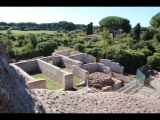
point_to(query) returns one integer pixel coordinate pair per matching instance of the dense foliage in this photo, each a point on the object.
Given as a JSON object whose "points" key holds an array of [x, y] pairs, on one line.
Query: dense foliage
{"points": [[131, 47]]}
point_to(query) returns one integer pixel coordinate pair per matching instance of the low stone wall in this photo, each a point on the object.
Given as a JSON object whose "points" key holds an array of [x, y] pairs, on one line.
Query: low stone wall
{"points": [[47, 59], [78, 57], [88, 58], [37, 84], [128, 86], [57, 60], [64, 53], [83, 57], [56, 73], [64, 61], [121, 77], [96, 67], [27, 66], [81, 73], [30, 81], [115, 67], [116, 86]]}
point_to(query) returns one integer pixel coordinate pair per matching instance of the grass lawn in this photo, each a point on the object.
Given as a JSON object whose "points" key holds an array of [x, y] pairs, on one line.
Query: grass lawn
{"points": [[75, 79], [50, 83], [27, 32]]}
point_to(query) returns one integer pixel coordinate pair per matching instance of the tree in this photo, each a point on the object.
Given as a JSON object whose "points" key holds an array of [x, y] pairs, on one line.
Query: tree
{"points": [[157, 37], [33, 40], [89, 29], [155, 20], [115, 23], [136, 32], [105, 34], [149, 34]]}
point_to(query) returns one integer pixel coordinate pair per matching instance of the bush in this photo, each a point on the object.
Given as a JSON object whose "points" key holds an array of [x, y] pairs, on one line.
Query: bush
{"points": [[154, 60], [127, 58], [157, 37], [79, 47], [21, 37], [47, 47]]}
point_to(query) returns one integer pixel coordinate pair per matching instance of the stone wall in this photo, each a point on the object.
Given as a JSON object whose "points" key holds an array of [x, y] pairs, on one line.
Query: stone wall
{"points": [[115, 67], [30, 81], [83, 57], [63, 61], [47, 59], [56, 73], [57, 60], [37, 84], [128, 86], [95, 67], [64, 53], [78, 57], [81, 73], [114, 87], [27, 66], [88, 58]]}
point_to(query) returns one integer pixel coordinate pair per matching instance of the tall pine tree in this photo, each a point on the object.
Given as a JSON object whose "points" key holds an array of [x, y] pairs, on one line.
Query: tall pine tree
{"points": [[89, 29], [136, 32]]}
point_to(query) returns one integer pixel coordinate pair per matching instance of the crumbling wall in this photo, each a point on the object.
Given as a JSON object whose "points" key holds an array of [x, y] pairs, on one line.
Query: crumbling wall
{"points": [[78, 57], [95, 67], [115, 67], [81, 73], [27, 66], [88, 58], [103, 68], [90, 67], [56, 73]]}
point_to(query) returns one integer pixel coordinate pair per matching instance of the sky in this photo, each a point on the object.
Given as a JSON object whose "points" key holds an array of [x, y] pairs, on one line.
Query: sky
{"points": [[77, 15]]}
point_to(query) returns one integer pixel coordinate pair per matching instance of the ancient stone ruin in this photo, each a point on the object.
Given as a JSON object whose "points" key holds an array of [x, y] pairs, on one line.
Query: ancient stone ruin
{"points": [[16, 97], [81, 65]]}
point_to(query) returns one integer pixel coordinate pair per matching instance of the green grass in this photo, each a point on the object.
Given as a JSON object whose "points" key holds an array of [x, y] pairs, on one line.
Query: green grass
{"points": [[27, 32], [50, 83], [50, 62], [75, 79]]}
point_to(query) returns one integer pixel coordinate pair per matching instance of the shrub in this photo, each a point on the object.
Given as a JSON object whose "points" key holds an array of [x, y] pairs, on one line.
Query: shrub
{"points": [[79, 47]]}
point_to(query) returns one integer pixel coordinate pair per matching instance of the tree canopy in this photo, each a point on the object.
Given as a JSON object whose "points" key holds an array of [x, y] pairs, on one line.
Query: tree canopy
{"points": [[155, 20], [115, 23]]}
